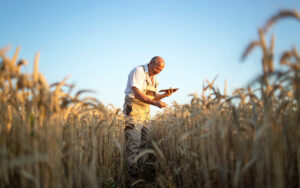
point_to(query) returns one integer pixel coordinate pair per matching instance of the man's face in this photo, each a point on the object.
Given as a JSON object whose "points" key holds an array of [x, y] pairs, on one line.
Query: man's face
{"points": [[156, 68]]}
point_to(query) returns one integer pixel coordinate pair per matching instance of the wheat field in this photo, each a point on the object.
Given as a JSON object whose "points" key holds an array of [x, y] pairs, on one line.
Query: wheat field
{"points": [[50, 137]]}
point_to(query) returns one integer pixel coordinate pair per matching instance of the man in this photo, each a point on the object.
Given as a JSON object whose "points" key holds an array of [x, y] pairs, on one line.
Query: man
{"points": [[141, 92]]}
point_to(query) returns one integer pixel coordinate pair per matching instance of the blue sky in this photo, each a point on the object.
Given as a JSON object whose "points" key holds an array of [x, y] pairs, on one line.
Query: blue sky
{"points": [[99, 42]]}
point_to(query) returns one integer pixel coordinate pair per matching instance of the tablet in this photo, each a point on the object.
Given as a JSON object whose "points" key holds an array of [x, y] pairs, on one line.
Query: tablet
{"points": [[170, 89]]}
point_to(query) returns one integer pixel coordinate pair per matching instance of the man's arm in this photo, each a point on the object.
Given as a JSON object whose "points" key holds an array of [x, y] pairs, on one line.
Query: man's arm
{"points": [[142, 97], [161, 96]]}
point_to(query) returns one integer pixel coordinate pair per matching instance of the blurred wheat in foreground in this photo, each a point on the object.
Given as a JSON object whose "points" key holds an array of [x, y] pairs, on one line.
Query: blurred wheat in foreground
{"points": [[50, 138]]}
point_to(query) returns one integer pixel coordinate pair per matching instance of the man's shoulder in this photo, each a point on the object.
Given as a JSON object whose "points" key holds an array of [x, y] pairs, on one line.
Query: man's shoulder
{"points": [[138, 69]]}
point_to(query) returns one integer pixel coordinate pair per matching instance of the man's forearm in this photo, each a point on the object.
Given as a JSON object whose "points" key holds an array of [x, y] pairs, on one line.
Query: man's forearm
{"points": [[160, 96], [142, 97]]}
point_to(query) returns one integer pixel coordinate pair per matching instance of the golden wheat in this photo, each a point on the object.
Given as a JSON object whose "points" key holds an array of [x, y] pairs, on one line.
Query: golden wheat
{"points": [[50, 138]]}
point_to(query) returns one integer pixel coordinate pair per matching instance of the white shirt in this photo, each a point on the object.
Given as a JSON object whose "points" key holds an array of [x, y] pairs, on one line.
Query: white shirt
{"points": [[137, 78]]}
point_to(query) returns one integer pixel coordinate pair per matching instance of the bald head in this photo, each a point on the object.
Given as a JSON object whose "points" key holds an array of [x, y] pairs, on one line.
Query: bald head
{"points": [[157, 60], [156, 65]]}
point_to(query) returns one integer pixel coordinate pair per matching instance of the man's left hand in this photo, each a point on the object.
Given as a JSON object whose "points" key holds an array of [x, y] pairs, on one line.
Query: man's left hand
{"points": [[169, 92]]}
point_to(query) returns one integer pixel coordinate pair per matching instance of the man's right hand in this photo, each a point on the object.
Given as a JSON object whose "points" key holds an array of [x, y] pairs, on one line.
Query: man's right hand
{"points": [[160, 104]]}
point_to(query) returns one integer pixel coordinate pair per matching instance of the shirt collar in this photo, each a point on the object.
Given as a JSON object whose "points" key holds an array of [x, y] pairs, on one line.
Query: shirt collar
{"points": [[147, 71], [146, 68]]}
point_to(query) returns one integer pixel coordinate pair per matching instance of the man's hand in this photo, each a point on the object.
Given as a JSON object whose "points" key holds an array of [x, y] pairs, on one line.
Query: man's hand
{"points": [[160, 104], [169, 92]]}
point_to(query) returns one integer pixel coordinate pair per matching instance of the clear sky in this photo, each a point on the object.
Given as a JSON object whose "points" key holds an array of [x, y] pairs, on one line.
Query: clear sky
{"points": [[99, 42]]}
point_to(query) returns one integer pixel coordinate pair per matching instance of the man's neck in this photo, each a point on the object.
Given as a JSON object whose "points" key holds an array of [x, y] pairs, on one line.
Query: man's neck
{"points": [[149, 72]]}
